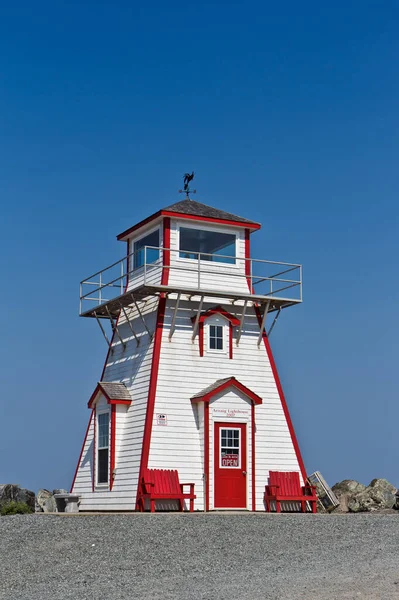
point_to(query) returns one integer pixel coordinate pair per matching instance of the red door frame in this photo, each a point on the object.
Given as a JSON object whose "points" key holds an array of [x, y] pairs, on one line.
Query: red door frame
{"points": [[233, 479]]}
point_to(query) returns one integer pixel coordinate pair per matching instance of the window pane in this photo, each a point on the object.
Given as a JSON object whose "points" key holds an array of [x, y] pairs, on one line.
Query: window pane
{"points": [[103, 430], [222, 246], [219, 344], [151, 239], [102, 469]]}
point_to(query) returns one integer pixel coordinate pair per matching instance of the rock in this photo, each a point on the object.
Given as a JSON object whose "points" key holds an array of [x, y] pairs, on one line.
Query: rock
{"points": [[50, 505], [42, 497], [379, 494], [60, 491], [345, 491], [11, 492]]}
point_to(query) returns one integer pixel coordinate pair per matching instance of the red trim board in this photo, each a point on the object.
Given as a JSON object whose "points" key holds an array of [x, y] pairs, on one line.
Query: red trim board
{"points": [[231, 382], [113, 446], [253, 461], [274, 370], [82, 450], [145, 451], [206, 453], [168, 213], [93, 475]]}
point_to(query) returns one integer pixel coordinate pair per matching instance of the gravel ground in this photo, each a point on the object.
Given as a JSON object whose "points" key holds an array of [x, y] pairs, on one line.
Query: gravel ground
{"points": [[214, 556]]}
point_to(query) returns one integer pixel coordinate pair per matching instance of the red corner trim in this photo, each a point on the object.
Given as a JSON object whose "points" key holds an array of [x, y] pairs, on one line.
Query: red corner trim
{"points": [[282, 397], [168, 213], [231, 382], [145, 451], [166, 253], [82, 450], [206, 453], [253, 450], [93, 475], [111, 401], [201, 338], [247, 262], [113, 446], [230, 340]]}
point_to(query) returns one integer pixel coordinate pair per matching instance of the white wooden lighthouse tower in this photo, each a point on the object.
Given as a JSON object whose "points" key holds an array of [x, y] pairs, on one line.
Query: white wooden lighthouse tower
{"points": [[189, 381]]}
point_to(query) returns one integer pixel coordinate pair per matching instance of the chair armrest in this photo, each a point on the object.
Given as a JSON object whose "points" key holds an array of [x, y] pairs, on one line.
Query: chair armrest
{"points": [[309, 488], [191, 487], [269, 488]]}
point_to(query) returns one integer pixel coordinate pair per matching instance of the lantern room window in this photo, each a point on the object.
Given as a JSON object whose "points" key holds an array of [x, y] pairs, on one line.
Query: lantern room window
{"points": [[103, 448], [143, 255], [212, 245]]}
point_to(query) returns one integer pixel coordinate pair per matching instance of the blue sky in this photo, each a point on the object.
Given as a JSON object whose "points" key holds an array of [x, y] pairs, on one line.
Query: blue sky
{"points": [[287, 113]]}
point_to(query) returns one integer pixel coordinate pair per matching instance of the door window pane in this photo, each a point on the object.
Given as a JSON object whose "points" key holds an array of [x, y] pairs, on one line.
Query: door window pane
{"points": [[151, 255], [230, 448], [221, 246]]}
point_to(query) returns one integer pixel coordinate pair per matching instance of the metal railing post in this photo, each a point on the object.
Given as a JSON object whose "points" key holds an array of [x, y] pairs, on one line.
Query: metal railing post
{"points": [[122, 286], [100, 289], [145, 265], [199, 270]]}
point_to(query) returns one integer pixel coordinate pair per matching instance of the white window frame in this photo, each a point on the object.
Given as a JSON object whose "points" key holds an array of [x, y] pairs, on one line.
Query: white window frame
{"points": [[98, 413], [222, 322], [239, 447], [238, 259]]}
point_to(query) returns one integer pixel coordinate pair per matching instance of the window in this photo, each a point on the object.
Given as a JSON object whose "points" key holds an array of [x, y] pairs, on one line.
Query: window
{"points": [[215, 337], [230, 448], [103, 448], [212, 245], [150, 255]]}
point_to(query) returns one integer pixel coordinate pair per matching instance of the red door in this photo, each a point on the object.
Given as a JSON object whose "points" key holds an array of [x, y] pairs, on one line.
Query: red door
{"points": [[230, 465]]}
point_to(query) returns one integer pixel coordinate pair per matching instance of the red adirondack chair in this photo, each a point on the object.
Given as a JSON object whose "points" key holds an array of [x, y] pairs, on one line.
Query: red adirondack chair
{"points": [[163, 484], [286, 487]]}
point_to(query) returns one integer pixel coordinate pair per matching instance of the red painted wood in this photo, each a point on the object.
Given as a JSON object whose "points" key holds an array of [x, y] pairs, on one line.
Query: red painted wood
{"points": [[163, 484], [112, 447], [232, 382], [168, 213], [286, 487], [230, 484], [230, 340], [93, 475], [253, 462], [145, 451], [206, 453], [81, 452]]}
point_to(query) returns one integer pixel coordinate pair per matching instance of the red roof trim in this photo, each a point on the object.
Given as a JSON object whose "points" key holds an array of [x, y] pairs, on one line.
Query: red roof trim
{"points": [[232, 382], [168, 213], [112, 401], [218, 310]]}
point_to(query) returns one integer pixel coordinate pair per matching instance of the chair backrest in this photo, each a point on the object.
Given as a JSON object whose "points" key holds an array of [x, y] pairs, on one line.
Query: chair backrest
{"points": [[288, 481], [161, 481]]}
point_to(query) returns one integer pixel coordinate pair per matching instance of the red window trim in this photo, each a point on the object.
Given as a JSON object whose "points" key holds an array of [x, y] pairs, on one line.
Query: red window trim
{"points": [[216, 310]]}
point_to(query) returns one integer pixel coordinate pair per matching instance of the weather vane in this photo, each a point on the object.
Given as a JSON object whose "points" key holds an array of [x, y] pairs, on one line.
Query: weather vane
{"points": [[186, 180]]}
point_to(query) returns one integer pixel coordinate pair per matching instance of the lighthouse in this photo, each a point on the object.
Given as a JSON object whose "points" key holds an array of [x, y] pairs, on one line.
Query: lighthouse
{"points": [[189, 381]]}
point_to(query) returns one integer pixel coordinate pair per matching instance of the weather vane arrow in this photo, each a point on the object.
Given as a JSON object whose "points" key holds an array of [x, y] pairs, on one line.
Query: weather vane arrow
{"points": [[186, 180]]}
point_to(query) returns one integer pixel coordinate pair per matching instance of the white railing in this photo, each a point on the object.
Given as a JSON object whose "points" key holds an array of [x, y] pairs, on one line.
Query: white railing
{"points": [[199, 272]]}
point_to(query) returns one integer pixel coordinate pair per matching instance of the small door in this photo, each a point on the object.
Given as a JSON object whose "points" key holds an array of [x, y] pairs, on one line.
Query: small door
{"points": [[230, 465]]}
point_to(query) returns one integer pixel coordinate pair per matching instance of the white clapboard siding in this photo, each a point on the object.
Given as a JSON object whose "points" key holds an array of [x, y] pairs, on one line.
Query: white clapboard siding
{"points": [[183, 373]]}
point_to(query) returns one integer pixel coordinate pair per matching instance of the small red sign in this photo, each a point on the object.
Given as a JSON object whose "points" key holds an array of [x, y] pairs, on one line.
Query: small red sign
{"points": [[230, 460]]}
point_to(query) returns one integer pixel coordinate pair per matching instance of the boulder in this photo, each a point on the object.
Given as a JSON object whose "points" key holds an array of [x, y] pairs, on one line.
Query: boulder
{"points": [[60, 491], [345, 491], [11, 492], [42, 497], [379, 494]]}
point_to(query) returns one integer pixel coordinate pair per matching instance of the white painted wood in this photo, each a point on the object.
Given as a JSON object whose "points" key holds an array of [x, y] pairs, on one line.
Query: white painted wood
{"points": [[182, 373]]}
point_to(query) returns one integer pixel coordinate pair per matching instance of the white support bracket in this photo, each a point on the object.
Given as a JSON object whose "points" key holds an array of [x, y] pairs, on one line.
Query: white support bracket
{"points": [[244, 310], [115, 328], [263, 322], [274, 321], [103, 331], [197, 318], [151, 335], [130, 325], [173, 324]]}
